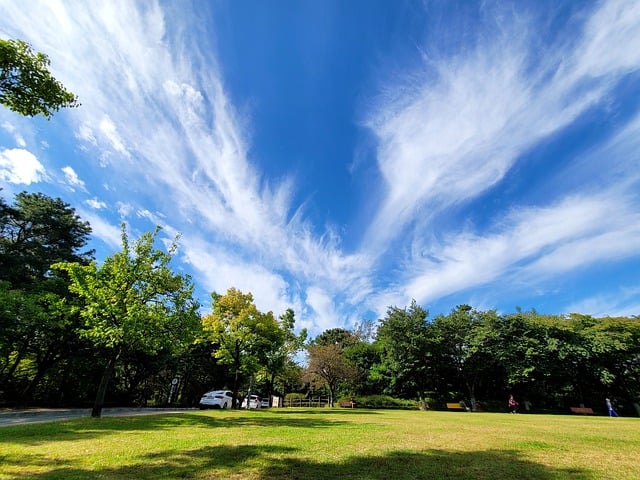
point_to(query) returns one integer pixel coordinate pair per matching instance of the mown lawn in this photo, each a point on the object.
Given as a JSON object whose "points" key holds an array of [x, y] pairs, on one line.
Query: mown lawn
{"points": [[325, 444]]}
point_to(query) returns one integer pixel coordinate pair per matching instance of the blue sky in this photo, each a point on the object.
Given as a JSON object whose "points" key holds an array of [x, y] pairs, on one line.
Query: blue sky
{"points": [[342, 157]]}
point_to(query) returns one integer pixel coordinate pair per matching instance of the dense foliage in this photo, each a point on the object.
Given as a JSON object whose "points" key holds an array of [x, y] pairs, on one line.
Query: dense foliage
{"points": [[244, 338], [133, 302], [26, 85], [131, 324], [37, 320], [548, 362]]}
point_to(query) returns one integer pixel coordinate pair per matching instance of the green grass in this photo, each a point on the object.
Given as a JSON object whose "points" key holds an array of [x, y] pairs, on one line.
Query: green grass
{"points": [[325, 444]]}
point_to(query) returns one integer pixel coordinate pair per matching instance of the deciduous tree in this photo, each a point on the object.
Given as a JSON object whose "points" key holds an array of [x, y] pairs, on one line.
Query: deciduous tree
{"points": [[133, 301], [328, 366], [463, 349], [242, 335], [285, 346], [26, 85], [407, 350]]}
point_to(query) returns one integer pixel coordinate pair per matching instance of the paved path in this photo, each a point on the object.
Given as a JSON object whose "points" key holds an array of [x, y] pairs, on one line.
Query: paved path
{"points": [[41, 415]]}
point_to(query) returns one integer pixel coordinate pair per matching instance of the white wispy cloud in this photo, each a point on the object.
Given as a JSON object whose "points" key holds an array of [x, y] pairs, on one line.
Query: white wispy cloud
{"points": [[163, 123], [103, 229], [155, 114], [610, 41], [154, 218], [457, 127], [222, 268], [534, 244], [72, 178], [85, 133], [621, 303], [17, 136], [324, 314], [111, 135], [455, 134], [95, 203], [158, 127]]}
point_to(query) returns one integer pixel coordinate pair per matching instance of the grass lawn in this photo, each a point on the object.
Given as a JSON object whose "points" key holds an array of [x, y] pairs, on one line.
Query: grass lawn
{"points": [[325, 444]]}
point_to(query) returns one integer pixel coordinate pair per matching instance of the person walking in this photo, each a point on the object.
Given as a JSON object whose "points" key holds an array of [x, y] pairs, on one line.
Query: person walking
{"points": [[612, 411], [513, 405]]}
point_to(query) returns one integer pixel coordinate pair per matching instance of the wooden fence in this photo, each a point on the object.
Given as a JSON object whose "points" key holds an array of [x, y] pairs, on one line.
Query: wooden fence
{"points": [[306, 402]]}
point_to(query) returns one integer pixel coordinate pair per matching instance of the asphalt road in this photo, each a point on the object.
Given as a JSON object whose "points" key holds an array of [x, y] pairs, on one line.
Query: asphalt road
{"points": [[41, 415]]}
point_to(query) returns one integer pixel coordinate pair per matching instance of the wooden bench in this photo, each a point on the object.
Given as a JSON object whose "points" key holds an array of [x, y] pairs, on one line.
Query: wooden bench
{"points": [[456, 406], [350, 404], [582, 410]]}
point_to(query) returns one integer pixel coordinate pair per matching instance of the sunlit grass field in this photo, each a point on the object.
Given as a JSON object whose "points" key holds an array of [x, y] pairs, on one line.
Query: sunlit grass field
{"points": [[325, 443]]}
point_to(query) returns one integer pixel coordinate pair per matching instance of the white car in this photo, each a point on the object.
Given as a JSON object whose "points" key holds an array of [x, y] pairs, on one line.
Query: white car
{"points": [[254, 402], [216, 399]]}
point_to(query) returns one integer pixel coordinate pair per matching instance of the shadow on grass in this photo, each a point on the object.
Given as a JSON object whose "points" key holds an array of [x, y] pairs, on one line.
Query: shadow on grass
{"points": [[269, 462], [433, 464], [86, 428], [171, 464]]}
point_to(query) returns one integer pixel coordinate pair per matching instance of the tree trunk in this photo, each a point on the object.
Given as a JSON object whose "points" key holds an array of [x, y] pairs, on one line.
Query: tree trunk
{"points": [[104, 383], [472, 395], [270, 391], [236, 366]]}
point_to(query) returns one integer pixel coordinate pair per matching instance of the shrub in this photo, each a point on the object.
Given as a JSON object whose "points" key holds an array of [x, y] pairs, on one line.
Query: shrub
{"points": [[382, 401]]}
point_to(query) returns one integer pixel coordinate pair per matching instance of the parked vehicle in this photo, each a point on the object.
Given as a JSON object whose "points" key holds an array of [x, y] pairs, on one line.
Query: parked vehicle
{"points": [[254, 402], [216, 399], [264, 403]]}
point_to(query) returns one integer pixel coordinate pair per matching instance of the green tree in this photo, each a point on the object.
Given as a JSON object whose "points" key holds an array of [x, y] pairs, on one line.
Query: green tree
{"points": [[285, 346], [463, 357], [336, 336], [36, 232], [38, 327], [365, 357], [531, 350], [26, 85], [601, 357], [133, 301], [407, 345], [242, 335], [291, 380], [19, 312], [616, 343]]}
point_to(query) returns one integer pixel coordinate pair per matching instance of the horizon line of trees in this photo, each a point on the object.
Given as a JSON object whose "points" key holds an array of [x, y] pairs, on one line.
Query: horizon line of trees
{"points": [[128, 332], [548, 362]]}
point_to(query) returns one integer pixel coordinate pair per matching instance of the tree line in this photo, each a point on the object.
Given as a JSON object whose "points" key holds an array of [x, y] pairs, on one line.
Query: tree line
{"points": [[127, 331], [548, 362], [74, 331]]}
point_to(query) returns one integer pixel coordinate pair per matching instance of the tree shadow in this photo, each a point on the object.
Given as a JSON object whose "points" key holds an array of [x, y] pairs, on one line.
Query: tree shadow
{"points": [[433, 464], [269, 462], [86, 427], [262, 462], [168, 464]]}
